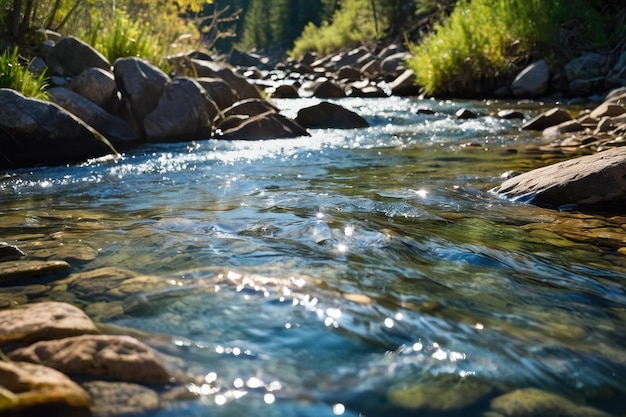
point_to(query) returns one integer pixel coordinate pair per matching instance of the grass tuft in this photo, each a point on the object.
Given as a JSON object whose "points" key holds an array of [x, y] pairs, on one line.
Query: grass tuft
{"points": [[16, 76]]}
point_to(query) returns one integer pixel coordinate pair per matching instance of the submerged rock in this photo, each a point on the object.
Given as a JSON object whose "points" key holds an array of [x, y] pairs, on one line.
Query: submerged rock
{"points": [[267, 125], [120, 398], [441, 393], [43, 321], [121, 358], [12, 270], [10, 252], [532, 402]]}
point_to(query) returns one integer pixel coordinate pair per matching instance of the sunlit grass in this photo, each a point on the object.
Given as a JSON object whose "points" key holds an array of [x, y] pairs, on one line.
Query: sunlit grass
{"points": [[16, 76], [484, 40]]}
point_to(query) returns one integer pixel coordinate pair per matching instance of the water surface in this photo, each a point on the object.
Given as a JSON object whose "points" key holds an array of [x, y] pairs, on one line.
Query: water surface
{"points": [[321, 276]]}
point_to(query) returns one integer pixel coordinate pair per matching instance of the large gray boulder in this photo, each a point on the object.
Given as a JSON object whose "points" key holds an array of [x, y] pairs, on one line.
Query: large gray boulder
{"points": [[269, 125], [35, 132], [119, 133], [97, 85], [184, 112], [532, 81], [219, 90], [243, 89], [329, 115], [71, 56], [589, 180], [141, 85]]}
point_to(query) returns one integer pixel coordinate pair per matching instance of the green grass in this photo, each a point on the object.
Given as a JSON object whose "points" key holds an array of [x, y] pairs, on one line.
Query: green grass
{"points": [[351, 25], [17, 77], [483, 41], [124, 36]]}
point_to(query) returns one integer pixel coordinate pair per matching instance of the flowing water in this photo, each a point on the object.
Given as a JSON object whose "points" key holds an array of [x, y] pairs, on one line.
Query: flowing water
{"points": [[353, 272]]}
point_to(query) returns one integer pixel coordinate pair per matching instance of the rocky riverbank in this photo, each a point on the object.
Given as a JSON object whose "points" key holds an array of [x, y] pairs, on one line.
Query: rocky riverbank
{"points": [[61, 360]]}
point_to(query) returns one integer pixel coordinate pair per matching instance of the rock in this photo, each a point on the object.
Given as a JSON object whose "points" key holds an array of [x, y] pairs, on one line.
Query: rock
{"points": [[527, 402], [405, 84], [113, 399], [269, 125], [34, 132], [249, 107], [246, 59], [589, 180], [532, 81], [242, 88], [10, 253], [12, 270], [561, 128], [37, 390], [348, 73], [509, 114], [549, 118], [184, 112], [328, 115], [607, 109], [465, 114], [588, 66], [121, 358], [219, 90], [285, 91], [141, 85], [371, 91], [586, 87], [391, 49], [43, 321], [442, 393], [71, 56], [394, 65], [328, 89], [371, 70], [347, 59], [96, 85], [119, 133]]}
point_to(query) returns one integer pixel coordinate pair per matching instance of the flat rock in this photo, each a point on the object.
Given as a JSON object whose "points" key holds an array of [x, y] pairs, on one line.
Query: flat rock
{"points": [[38, 390], [43, 321], [589, 180], [546, 119], [12, 270], [442, 393], [528, 402], [120, 398], [122, 358]]}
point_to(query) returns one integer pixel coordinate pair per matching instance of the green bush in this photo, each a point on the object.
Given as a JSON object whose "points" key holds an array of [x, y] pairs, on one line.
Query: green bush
{"points": [[482, 41], [353, 24], [17, 77]]}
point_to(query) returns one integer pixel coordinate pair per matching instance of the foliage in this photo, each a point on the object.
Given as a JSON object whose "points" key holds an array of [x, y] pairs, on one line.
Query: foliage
{"points": [[17, 77], [277, 23], [352, 24], [484, 40]]}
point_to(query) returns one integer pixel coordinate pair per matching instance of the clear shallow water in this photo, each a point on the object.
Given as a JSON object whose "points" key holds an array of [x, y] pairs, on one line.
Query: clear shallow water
{"points": [[319, 276]]}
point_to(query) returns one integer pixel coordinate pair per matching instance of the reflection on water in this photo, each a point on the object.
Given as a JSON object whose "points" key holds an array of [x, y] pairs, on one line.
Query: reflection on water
{"points": [[352, 273]]}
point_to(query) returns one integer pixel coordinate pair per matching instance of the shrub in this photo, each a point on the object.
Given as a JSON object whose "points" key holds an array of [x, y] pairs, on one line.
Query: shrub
{"points": [[484, 40], [353, 24], [17, 77]]}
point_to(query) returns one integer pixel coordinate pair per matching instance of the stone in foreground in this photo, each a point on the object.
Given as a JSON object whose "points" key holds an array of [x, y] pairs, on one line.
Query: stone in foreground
{"points": [[38, 390], [586, 181], [43, 321], [121, 358]]}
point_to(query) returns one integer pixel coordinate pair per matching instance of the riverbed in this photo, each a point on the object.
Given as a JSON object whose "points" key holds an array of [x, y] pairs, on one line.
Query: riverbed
{"points": [[339, 274]]}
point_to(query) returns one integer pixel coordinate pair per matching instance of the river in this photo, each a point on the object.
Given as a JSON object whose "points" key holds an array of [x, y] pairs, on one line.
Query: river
{"points": [[353, 272]]}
